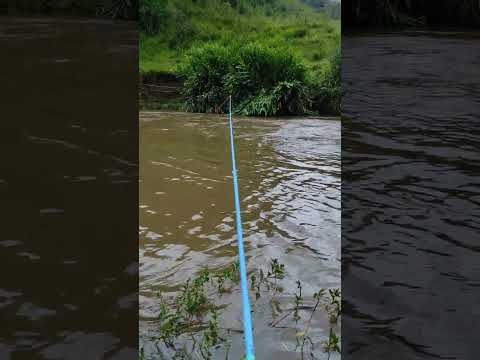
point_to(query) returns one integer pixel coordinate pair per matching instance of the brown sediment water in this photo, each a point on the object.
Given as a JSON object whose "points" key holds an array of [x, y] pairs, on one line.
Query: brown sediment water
{"points": [[289, 182]]}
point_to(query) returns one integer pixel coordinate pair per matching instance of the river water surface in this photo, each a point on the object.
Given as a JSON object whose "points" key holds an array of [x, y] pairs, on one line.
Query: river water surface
{"points": [[68, 189], [410, 195], [289, 178]]}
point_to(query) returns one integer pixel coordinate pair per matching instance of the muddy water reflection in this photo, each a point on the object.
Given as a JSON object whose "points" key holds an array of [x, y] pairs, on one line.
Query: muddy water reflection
{"points": [[289, 174], [411, 144], [68, 189]]}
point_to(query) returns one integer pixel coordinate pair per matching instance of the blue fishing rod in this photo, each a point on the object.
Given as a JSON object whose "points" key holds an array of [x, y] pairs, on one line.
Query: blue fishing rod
{"points": [[247, 320]]}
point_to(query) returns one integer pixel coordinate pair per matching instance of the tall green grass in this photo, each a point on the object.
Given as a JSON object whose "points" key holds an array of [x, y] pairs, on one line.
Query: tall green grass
{"points": [[262, 80]]}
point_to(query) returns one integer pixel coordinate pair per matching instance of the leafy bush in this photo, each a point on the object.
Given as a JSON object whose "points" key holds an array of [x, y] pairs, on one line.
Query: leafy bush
{"points": [[263, 80], [287, 97], [204, 72]]}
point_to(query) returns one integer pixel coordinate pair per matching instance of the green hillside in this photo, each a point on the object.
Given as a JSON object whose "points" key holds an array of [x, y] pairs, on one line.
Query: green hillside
{"points": [[171, 27], [275, 57]]}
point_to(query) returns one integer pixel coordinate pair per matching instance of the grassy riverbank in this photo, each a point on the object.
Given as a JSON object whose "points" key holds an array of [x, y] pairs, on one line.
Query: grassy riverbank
{"points": [[174, 29]]}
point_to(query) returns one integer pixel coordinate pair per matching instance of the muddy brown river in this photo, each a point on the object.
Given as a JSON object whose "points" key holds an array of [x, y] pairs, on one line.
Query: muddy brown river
{"points": [[289, 178]]}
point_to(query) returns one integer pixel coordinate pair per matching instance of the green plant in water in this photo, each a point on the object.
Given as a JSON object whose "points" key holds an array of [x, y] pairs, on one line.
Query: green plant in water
{"points": [[268, 281], [231, 273], [256, 282], [189, 322], [193, 299], [298, 302], [210, 336], [304, 334], [332, 345], [334, 308], [277, 270]]}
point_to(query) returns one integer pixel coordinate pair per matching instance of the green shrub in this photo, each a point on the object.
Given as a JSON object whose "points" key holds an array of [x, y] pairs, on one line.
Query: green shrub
{"points": [[287, 97], [263, 80], [203, 72], [268, 65]]}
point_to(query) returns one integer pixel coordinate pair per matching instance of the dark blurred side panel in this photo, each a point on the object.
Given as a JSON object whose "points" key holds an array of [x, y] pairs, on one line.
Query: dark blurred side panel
{"points": [[410, 180], [68, 183], [114, 9], [408, 14]]}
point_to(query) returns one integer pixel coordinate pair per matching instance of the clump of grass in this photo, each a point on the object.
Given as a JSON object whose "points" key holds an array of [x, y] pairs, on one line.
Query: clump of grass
{"points": [[204, 72], [262, 79]]}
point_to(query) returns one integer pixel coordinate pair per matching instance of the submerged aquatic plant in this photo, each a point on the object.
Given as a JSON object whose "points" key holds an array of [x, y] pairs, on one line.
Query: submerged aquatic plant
{"points": [[332, 345]]}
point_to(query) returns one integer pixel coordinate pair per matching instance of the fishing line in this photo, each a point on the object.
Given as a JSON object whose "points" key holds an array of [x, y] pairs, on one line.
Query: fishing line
{"points": [[247, 321]]}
